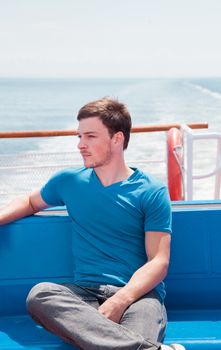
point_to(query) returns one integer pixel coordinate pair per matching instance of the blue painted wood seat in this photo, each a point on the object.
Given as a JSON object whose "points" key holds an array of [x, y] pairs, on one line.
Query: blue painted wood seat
{"points": [[39, 249]]}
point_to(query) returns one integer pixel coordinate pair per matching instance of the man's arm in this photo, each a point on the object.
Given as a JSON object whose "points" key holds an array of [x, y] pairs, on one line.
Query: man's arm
{"points": [[144, 279], [21, 207]]}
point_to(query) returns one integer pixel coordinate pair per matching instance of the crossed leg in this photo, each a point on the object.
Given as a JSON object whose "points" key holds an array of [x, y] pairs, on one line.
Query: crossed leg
{"points": [[70, 311]]}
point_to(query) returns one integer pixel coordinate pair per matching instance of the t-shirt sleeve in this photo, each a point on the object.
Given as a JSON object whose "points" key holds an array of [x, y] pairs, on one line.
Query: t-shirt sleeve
{"points": [[51, 192], [158, 215]]}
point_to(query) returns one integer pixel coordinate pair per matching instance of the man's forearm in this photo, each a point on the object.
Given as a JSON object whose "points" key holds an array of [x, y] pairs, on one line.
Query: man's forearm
{"points": [[17, 209], [146, 278], [143, 280]]}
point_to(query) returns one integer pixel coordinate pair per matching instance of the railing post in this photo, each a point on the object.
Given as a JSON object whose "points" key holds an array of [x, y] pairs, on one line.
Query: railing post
{"points": [[188, 159], [189, 168]]}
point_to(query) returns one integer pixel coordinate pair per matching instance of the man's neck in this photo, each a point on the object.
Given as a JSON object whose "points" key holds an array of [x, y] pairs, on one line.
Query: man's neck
{"points": [[109, 175]]}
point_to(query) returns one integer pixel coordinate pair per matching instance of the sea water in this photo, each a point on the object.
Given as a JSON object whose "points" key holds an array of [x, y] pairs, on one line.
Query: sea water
{"points": [[45, 104]]}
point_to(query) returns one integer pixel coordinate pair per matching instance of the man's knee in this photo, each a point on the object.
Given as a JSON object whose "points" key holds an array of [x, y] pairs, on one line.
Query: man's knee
{"points": [[36, 296]]}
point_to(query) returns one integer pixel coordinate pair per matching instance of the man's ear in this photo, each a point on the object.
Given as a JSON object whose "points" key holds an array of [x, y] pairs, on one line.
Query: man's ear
{"points": [[118, 138]]}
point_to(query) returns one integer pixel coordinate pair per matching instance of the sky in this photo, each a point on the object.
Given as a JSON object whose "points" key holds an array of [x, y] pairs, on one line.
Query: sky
{"points": [[110, 38]]}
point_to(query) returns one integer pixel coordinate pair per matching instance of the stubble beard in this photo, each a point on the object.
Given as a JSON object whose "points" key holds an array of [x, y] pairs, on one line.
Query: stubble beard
{"points": [[100, 163]]}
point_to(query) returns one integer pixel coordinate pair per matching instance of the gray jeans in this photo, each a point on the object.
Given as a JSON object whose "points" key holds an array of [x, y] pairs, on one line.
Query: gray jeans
{"points": [[70, 311]]}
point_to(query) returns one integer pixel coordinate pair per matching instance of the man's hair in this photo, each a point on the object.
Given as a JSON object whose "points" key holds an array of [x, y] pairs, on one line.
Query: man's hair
{"points": [[113, 114]]}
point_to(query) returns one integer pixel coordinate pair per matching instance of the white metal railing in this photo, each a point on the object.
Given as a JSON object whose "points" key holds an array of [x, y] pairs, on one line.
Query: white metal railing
{"points": [[189, 136]]}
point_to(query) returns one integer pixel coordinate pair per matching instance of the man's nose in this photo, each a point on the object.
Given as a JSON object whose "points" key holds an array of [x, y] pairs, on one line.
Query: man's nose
{"points": [[81, 143]]}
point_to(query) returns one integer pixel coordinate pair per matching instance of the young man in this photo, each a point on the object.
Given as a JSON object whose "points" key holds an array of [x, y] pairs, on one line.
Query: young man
{"points": [[121, 242]]}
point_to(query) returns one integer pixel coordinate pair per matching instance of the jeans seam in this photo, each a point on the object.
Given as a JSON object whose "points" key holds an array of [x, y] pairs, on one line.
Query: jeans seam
{"points": [[163, 321]]}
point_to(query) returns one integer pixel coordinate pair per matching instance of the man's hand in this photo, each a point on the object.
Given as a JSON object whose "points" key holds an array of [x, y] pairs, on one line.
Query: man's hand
{"points": [[113, 308]]}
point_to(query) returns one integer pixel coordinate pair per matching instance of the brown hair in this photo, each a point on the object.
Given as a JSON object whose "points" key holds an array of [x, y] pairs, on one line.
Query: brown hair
{"points": [[113, 114]]}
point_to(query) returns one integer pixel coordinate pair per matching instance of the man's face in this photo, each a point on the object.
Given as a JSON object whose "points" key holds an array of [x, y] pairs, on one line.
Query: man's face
{"points": [[95, 143]]}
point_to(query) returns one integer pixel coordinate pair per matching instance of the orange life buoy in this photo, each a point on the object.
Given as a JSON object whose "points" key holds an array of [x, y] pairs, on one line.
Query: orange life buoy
{"points": [[174, 164]]}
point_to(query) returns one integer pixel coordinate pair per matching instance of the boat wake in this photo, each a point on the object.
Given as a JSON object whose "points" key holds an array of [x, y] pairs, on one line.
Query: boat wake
{"points": [[207, 91]]}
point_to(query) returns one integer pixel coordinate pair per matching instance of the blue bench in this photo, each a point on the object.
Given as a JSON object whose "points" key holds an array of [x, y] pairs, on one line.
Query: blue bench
{"points": [[38, 248]]}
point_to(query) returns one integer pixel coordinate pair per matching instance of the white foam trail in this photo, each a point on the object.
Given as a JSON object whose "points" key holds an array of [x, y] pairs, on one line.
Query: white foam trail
{"points": [[206, 91]]}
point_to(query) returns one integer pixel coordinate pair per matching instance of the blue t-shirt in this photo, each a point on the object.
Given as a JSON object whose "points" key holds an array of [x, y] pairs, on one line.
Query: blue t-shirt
{"points": [[109, 222]]}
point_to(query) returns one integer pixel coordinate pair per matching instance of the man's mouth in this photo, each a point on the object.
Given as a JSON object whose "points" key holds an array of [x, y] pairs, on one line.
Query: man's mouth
{"points": [[84, 155]]}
